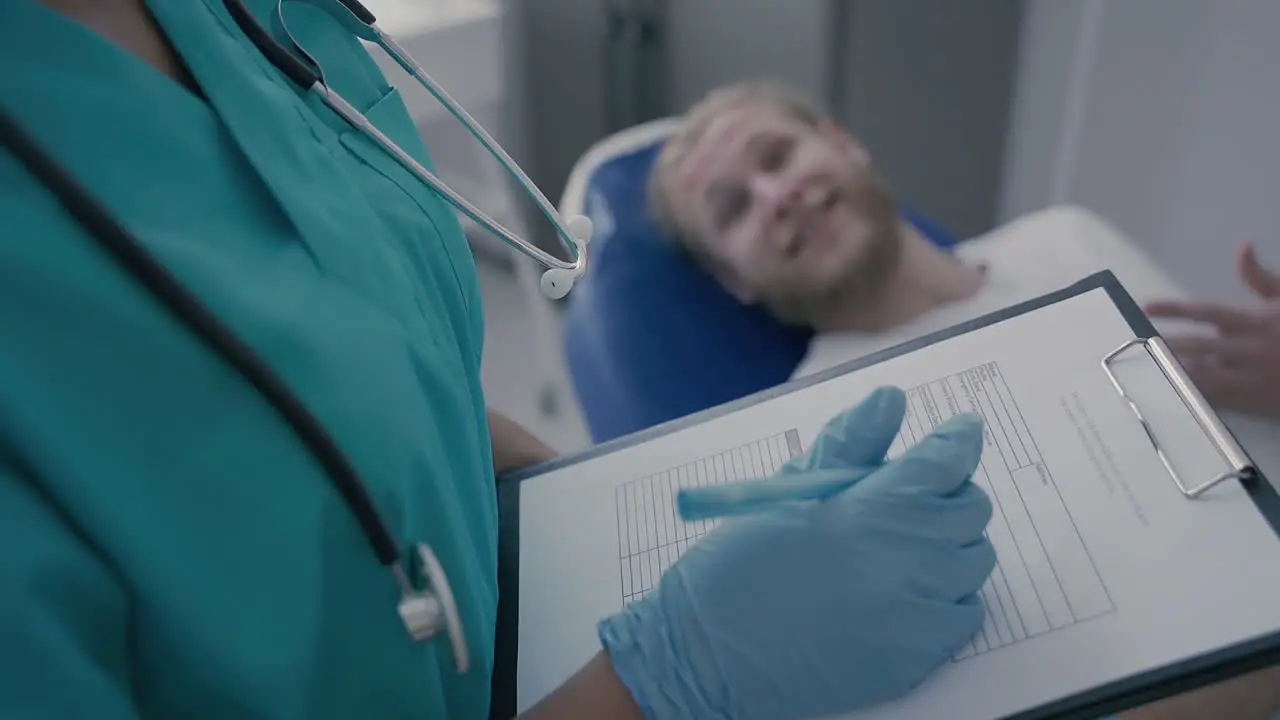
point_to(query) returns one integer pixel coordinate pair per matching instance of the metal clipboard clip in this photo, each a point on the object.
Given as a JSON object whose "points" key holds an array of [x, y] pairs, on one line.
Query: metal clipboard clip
{"points": [[1241, 468]]}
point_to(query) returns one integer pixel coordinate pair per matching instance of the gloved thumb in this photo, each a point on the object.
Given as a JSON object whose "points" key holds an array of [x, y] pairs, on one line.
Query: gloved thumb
{"points": [[940, 463], [857, 437]]}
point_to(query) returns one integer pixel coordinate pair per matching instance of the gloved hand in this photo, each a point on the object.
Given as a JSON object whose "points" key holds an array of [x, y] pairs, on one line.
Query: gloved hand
{"points": [[820, 607]]}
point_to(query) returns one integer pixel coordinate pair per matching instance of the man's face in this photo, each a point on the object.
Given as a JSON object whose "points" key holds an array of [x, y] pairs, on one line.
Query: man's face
{"points": [[793, 215]]}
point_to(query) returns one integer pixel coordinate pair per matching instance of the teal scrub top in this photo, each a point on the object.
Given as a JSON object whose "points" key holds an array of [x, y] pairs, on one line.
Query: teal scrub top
{"points": [[170, 549]]}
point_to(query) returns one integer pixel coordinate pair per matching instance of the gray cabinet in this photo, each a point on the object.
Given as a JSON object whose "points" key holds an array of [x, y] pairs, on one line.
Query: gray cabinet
{"points": [[926, 84]]}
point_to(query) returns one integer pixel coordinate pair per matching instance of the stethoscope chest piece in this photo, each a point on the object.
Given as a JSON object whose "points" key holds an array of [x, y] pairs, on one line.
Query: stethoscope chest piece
{"points": [[426, 612]]}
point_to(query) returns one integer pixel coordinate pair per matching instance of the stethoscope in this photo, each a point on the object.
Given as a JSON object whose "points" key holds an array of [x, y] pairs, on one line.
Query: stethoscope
{"points": [[424, 612]]}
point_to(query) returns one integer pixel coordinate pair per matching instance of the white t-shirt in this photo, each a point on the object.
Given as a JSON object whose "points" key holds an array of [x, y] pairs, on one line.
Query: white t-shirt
{"points": [[1034, 255]]}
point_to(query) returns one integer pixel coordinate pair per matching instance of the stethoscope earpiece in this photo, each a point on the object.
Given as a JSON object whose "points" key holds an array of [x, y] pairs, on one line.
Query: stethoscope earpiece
{"points": [[580, 227], [557, 282]]}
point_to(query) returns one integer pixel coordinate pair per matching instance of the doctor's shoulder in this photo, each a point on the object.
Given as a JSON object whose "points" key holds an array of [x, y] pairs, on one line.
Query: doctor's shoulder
{"points": [[45, 255], [34, 229], [63, 613]]}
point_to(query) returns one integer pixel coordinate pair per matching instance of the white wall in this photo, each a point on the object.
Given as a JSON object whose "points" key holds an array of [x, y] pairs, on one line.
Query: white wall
{"points": [[1161, 115]]}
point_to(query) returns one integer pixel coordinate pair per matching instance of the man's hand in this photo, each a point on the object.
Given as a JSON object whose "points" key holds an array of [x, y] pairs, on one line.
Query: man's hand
{"points": [[1237, 366], [513, 446]]}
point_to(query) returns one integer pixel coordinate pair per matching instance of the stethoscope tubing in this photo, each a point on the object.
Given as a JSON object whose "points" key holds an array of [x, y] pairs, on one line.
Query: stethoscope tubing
{"points": [[133, 256], [363, 24]]}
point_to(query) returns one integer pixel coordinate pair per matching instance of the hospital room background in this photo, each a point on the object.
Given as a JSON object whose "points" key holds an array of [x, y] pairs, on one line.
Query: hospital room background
{"points": [[1161, 116]]}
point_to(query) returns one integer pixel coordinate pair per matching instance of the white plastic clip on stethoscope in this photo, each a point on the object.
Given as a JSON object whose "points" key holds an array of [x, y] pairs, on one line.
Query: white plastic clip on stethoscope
{"points": [[574, 233], [425, 613]]}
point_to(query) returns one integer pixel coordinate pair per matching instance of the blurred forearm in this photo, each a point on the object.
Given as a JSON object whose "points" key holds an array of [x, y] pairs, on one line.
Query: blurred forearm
{"points": [[513, 446], [1255, 696], [594, 692]]}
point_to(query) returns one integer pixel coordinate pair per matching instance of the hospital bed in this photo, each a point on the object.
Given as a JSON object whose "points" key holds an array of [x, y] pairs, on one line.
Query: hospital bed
{"points": [[649, 337]]}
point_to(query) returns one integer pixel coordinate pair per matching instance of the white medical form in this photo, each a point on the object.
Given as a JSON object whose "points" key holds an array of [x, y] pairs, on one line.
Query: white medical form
{"points": [[1123, 573]]}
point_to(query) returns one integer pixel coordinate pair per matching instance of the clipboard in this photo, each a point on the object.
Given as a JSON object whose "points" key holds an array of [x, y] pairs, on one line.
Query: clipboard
{"points": [[1124, 693]]}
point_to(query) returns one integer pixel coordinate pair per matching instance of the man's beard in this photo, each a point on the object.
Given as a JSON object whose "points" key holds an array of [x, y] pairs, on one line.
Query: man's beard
{"points": [[806, 301]]}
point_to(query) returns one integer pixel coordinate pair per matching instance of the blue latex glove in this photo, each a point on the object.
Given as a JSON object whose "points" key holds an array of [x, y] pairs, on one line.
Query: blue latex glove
{"points": [[815, 608]]}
